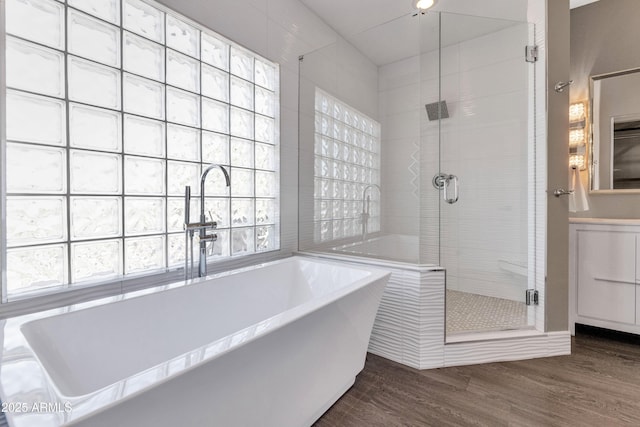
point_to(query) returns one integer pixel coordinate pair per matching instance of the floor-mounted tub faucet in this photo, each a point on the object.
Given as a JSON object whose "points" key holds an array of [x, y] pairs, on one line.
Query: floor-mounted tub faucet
{"points": [[366, 208], [202, 225]]}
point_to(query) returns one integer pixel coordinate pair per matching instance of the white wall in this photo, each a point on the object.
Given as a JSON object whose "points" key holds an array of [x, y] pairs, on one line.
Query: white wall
{"points": [[515, 10]]}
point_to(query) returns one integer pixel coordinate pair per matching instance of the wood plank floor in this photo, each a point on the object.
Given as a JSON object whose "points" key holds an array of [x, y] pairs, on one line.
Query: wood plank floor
{"points": [[598, 385]]}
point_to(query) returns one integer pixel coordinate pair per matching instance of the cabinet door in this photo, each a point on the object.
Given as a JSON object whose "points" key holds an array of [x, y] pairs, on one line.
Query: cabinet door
{"points": [[607, 275]]}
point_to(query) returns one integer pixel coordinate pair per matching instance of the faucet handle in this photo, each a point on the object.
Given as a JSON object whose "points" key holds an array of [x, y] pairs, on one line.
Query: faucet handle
{"points": [[209, 238], [212, 238], [212, 221], [200, 225]]}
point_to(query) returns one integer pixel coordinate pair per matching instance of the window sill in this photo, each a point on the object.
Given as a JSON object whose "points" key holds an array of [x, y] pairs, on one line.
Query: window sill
{"points": [[59, 297]]}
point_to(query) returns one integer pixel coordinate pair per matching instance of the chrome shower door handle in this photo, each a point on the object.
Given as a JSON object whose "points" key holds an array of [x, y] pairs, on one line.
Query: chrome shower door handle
{"points": [[456, 189], [442, 181]]}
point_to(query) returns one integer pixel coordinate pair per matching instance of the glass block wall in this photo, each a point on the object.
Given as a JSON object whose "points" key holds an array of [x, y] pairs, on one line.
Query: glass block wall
{"points": [[347, 159], [113, 106]]}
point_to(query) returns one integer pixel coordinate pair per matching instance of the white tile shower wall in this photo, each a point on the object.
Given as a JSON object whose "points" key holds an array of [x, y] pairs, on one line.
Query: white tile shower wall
{"points": [[399, 86], [409, 161], [280, 30], [484, 82], [484, 143]]}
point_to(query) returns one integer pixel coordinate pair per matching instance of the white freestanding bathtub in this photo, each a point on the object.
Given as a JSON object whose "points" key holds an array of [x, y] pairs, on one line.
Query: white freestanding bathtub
{"points": [[271, 345]]}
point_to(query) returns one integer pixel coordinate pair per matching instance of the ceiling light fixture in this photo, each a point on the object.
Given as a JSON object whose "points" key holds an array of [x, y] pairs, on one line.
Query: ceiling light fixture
{"points": [[423, 4]]}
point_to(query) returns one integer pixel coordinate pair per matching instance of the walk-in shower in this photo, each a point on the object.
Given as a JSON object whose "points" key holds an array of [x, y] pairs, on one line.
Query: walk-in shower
{"points": [[437, 110]]}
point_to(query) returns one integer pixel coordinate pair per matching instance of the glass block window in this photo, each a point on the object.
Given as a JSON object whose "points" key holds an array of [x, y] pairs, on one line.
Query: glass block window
{"points": [[347, 160], [113, 106]]}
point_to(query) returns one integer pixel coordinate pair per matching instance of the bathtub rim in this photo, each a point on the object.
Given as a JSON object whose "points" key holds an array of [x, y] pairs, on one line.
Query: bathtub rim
{"points": [[340, 247], [79, 402]]}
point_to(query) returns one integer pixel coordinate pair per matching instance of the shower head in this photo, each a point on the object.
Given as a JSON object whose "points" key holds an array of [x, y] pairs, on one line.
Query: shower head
{"points": [[437, 110]]}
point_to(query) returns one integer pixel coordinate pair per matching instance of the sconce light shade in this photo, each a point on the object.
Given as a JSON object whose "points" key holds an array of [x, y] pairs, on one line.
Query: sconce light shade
{"points": [[576, 136], [577, 112], [577, 161], [423, 4]]}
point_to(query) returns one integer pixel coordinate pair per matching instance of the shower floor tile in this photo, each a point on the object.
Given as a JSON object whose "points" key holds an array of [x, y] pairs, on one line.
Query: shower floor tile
{"points": [[468, 312]]}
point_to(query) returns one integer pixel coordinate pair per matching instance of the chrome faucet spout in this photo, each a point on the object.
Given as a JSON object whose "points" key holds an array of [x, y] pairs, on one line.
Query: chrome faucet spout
{"points": [[202, 180], [366, 208], [368, 187], [204, 238], [188, 235]]}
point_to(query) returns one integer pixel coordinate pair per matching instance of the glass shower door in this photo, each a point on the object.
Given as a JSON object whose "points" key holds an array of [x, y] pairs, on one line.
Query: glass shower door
{"points": [[482, 114]]}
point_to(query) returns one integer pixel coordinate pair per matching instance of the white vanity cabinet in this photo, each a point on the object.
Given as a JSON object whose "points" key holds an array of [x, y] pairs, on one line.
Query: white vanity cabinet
{"points": [[604, 274]]}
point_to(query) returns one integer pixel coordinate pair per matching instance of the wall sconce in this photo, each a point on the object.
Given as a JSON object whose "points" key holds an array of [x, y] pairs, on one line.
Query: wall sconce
{"points": [[578, 135]]}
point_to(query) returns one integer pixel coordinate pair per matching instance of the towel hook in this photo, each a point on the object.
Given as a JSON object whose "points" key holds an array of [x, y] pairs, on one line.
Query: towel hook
{"points": [[559, 87], [562, 192]]}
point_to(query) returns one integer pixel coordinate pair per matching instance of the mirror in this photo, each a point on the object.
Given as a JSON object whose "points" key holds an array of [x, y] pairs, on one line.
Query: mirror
{"points": [[615, 126]]}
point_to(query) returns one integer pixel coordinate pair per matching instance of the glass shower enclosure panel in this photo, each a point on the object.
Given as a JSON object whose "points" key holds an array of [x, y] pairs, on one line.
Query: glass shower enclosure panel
{"points": [[416, 151], [483, 116], [359, 136]]}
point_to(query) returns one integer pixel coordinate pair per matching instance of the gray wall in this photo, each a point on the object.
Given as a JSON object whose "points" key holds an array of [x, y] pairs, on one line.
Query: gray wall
{"points": [[604, 38], [557, 277]]}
